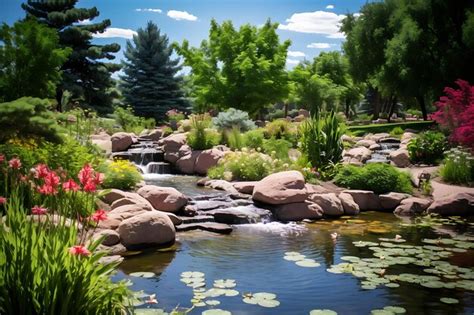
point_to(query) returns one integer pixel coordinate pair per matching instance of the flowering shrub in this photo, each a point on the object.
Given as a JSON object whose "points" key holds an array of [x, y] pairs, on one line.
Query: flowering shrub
{"points": [[456, 113], [121, 174], [427, 147], [44, 247], [458, 167]]}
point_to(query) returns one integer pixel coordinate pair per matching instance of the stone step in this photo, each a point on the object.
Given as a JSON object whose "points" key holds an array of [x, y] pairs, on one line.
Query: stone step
{"points": [[206, 226], [197, 219]]}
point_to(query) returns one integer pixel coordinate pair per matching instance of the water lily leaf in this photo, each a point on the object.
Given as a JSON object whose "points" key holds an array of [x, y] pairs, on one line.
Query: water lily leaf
{"points": [[381, 312], [216, 311], [322, 312], [449, 300], [264, 296], [294, 257], [192, 274], [395, 309], [433, 284], [368, 287], [292, 254], [142, 274], [215, 292], [200, 304], [224, 283], [268, 303], [231, 292], [309, 263], [350, 258], [250, 300], [213, 302], [392, 285], [149, 311]]}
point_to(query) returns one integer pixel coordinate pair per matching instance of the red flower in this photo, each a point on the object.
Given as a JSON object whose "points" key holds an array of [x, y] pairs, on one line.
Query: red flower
{"points": [[38, 210], [3, 200], [79, 250], [15, 163], [52, 179], [70, 185], [99, 215], [41, 171], [99, 178], [90, 186], [47, 190], [85, 174]]}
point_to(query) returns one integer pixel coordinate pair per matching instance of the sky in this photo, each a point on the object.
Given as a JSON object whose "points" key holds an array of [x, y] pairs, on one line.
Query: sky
{"points": [[311, 25]]}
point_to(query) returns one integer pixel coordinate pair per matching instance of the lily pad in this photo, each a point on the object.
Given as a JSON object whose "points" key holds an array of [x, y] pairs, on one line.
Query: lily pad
{"points": [[213, 302], [192, 274], [322, 312], [294, 257], [216, 311], [395, 309], [264, 296], [224, 283], [449, 300], [231, 292], [268, 303], [381, 312], [142, 274], [309, 263]]}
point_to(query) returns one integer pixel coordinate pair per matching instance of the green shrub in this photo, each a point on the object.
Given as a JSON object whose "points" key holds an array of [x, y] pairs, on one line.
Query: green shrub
{"points": [[234, 138], [128, 122], [254, 138], [414, 112], [282, 129], [428, 147], [201, 137], [458, 167], [320, 141], [397, 131], [377, 177], [276, 114], [242, 166], [277, 148], [233, 118], [28, 117], [121, 174]]}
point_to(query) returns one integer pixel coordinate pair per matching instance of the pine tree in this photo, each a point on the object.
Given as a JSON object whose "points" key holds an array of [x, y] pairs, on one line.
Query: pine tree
{"points": [[150, 84], [85, 75]]}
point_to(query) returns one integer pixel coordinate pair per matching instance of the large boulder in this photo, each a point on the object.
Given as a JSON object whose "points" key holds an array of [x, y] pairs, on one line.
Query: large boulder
{"points": [[412, 206], [245, 187], [400, 158], [281, 188], [365, 143], [392, 200], [126, 211], [150, 228], [121, 141], [103, 141], [360, 154], [366, 200], [461, 204], [173, 142], [348, 204], [110, 237], [163, 198], [186, 163], [154, 135], [206, 160], [298, 211], [330, 204]]}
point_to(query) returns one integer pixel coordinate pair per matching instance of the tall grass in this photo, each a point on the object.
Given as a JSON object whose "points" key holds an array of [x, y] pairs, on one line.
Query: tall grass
{"points": [[458, 167]]}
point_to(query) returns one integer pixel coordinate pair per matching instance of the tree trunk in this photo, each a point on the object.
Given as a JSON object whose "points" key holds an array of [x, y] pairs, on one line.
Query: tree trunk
{"points": [[421, 101], [286, 109], [59, 98], [347, 108], [376, 104], [392, 107]]}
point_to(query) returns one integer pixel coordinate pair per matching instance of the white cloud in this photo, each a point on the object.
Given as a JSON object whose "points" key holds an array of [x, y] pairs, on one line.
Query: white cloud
{"points": [[85, 22], [292, 61], [330, 7], [317, 22], [357, 14], [320, 45], [116, 32], [149, 10], [181, 15], [296, 53]]}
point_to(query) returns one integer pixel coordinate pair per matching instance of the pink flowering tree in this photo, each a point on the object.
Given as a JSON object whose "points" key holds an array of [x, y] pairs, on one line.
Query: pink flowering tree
{"points": [[456, 113]]}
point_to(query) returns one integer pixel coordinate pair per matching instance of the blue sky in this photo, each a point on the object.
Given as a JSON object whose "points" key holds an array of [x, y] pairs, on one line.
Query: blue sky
{"points": [[311, 25]]}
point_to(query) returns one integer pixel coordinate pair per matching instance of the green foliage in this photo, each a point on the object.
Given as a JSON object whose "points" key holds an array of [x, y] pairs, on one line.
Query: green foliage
{"points": [[428, 147], [282, 129], [121, 174], [378, 177], [30, 59], [397, 131], [28, 117], [458, 167], [128, 122], [85, 74], [243, 69], [242, 166], [320, 141], [235, 139], [149, 65], [233, 118], [277, 148], [201, 137], [254, 138], [378, 128]]}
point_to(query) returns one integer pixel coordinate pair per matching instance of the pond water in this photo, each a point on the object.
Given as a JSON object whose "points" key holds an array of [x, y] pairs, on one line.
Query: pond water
{"points": [[253, 256]]}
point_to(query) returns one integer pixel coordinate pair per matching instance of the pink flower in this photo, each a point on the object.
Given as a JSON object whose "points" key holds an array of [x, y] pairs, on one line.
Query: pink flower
{"points": [[2, 158], [47, 190], [99, 178], [70, 185], [15, 163], [41, 171], [99, 215], [52, 179], [90, 186], [85, 174], [3, 200], [38, 210], [79, 250]]}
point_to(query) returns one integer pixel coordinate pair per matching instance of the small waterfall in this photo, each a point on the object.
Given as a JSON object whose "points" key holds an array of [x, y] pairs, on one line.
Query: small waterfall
{"points": [[381, 155]]}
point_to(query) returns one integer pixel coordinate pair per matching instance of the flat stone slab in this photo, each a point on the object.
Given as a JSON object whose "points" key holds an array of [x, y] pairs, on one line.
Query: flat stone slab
{"points": [[197, 219], [206, 205], [207, 226]]}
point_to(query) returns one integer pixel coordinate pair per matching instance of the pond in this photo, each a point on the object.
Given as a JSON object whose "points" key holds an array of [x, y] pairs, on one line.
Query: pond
{"points": [[353, 273]]}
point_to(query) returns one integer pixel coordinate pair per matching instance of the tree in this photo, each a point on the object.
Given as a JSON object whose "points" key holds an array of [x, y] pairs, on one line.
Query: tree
{"points": [[30, 60], [86, 75], [150, 84], [243, 69]]}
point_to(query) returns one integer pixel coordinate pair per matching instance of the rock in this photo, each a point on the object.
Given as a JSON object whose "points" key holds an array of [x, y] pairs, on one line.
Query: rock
{"points": [[245, 187], [186, 163], [54, 219], [347, 138], [330, 204], [171, 157], [412, 206], [113, 195], [114, 259], [150, 228], [222, 148], [206, 160], [374, 147], [173, 142], [389, 140], [400, 158], [298, 211], [360, 154], [239, 215], [461, 204], [221, 184], [163, 198], [366, 200], [104, 145], [408, 136], [378, 136], [130, 201], [154, 135], [206, 205], [348, 204], [392, 200], [102, 205], [299, 118], [281, 188], [111, 237], [206, 226], [365, 143], [116, 249], [121, 141], [127, 211], [185, 150], [173, 217], [303, 112], [109, 223]]}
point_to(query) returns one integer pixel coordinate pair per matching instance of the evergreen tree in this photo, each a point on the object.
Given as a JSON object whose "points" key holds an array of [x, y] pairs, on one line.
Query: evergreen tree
{"points": [[84, 73], [150, 84]]}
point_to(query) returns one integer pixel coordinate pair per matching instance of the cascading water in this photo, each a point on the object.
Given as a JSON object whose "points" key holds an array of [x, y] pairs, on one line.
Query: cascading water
{"points": [[381, 155]]}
